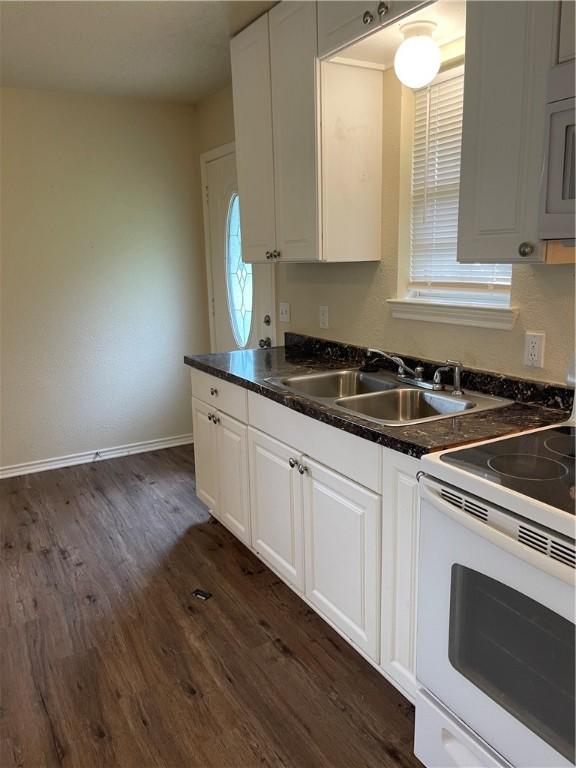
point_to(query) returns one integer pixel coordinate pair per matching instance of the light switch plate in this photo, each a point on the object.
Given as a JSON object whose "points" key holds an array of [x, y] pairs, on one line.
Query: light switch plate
{"points": [[323, 317], [284, 313]]}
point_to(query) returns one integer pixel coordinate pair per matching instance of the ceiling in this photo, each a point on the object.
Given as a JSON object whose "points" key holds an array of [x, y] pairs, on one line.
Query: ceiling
{"points": [[379, 49], [169, 50]]}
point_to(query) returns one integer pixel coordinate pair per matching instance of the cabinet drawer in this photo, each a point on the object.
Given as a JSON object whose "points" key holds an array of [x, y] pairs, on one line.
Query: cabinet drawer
{"points": [[224, 396], [441, 741], [351, 456]]}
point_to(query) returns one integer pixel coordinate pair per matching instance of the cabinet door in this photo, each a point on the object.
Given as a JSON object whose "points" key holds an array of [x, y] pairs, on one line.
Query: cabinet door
{"points": [[342, 534], [341, 22], [205, 457], [566, 38], [250, 53], [400, 518], [293, 48], [508, 54], [233, 497], [276, 507]]}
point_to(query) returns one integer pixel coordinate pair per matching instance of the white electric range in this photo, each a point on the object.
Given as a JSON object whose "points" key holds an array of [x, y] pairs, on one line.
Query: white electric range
{"points": [[496, 603]]}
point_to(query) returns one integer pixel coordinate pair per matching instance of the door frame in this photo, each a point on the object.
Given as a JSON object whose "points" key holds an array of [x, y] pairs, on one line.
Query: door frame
{"points": [[205, 158]]}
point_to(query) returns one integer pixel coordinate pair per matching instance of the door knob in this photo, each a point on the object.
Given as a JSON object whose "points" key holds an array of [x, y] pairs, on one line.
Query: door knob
{"points": [[265, 343], [292, 462], [302, 468], [368, 18], [267, 320]]}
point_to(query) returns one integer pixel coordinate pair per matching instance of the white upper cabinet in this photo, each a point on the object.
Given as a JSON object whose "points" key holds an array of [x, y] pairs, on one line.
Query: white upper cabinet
{"points": [[292, 55], [308, 144], [250, 53], [509, 50], [341, 22]]}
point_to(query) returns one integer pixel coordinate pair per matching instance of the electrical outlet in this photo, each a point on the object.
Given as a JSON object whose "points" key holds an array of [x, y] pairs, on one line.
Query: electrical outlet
{"points": [[323, 317], [284, 312], [534, 349]]}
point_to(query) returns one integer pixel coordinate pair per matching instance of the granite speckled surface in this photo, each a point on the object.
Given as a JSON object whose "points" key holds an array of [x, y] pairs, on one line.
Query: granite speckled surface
{"points": [[251, 369]]}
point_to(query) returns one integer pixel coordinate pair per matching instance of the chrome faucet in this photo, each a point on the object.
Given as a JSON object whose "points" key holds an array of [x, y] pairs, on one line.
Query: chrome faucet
{"points": [[450, 365], [417, 373]]}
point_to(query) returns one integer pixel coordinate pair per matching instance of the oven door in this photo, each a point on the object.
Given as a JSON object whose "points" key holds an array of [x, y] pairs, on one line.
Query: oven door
{"points": [[495, 638]]}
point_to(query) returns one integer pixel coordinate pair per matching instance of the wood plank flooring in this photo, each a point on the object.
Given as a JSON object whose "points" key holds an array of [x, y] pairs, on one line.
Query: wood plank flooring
{"points": [[107, 659]]}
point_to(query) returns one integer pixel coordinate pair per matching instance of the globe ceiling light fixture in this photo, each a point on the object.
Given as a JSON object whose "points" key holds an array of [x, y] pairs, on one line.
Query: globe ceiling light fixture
{"points": [[417, 59]]}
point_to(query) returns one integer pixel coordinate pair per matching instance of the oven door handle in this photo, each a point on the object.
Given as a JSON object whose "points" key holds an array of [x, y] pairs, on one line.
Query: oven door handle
{"points": [[560, 571]]}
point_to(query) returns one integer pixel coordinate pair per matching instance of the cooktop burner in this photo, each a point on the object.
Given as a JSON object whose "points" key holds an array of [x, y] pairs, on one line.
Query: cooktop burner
{"points": [[539, 465]]}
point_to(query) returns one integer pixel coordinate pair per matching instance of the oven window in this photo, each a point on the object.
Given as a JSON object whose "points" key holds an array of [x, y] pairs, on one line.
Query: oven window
{"points": [[517, 651]]}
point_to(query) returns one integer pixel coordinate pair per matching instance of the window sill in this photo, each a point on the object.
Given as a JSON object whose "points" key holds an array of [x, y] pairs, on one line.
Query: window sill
{"points": [[499, 318]]}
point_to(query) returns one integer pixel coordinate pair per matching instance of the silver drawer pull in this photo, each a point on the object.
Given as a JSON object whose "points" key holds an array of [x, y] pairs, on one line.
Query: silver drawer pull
{"points": [[292, 462], [213, 391], [368, 18], [302, 468]]}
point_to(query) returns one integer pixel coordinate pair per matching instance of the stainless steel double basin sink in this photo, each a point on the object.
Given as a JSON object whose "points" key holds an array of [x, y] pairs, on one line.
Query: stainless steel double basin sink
{"points": [[383, 398]]}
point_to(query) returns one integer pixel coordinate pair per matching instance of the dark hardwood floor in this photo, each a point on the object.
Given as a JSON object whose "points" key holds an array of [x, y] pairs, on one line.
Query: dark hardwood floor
{"points": [[107, 659]]}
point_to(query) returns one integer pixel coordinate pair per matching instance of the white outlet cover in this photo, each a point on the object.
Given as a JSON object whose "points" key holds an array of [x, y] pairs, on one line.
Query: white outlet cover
{"points": [[534, 342], [323, 317], [284, 313]]}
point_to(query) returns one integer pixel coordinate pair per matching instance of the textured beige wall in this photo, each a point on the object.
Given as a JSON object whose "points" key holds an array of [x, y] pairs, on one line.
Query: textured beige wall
{"points": [[103, 285]]}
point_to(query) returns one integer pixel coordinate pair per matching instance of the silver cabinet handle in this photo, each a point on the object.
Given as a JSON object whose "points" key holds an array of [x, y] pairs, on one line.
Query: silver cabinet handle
{"points": [[302, 468], [268, 255], [368, 18], [210, 416], [383, 9], [292, 462], [213, 391], [526, 249], [216, 419]]}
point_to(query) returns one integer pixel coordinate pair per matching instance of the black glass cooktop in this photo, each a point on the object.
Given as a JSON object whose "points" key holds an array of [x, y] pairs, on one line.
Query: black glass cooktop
{"points": [[539, 465]]}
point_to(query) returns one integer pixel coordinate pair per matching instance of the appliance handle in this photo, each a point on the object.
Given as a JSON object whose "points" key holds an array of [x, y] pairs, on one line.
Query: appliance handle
{"points": [[515, 548]]}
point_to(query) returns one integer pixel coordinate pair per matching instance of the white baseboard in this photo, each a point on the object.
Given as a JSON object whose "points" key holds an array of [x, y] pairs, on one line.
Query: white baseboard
{"points": [[97, 455]]}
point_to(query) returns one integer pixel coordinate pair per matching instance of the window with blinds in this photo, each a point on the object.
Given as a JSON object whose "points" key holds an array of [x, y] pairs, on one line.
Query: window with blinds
{"points": [[435, 274]]}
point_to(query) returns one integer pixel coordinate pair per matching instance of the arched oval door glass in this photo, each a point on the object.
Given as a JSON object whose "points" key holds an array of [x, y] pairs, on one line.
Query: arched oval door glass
{"points": [[239, 285]]}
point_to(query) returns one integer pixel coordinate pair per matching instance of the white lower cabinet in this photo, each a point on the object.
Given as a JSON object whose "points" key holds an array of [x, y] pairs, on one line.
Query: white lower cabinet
{"points": [[276, 496], [400, 530], [342, 536], [232, 462], [350, 550], [205, 453], [221, 458]]}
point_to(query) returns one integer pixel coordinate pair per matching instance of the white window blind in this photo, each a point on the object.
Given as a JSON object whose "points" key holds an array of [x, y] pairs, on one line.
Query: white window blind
{"points": [[434, 271]]}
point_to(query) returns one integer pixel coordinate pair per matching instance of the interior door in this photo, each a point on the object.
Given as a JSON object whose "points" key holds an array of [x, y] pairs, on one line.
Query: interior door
{"points": [[276, 496], [241, 294]]}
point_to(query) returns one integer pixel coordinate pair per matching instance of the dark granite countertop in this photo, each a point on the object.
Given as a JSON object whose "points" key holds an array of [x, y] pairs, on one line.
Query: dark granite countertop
{"points": [[251, 368]]}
